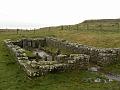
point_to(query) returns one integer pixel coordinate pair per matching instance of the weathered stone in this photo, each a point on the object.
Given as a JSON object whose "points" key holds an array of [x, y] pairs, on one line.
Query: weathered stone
{"points": [[94, 69], [80, 57]]}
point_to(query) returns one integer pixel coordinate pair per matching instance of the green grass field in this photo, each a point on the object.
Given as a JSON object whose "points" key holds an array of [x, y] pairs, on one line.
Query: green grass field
{"points": [[13, 78]]}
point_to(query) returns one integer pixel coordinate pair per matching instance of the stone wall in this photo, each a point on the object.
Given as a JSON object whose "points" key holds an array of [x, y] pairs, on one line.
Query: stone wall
{"points": [[37, 68], [80, 57], [31, 43], [100, 56]]}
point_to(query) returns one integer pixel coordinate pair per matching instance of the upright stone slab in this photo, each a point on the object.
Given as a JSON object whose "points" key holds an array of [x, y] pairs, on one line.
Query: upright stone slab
{"points": [[25, 43], [33, 43]]}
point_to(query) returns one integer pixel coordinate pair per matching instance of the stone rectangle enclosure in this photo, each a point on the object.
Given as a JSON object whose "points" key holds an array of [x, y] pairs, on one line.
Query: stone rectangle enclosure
{"points": [[80, 57]]}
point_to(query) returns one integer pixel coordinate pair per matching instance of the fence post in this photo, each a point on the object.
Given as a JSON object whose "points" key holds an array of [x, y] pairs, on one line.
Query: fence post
{"points": [[17, 31], [101, 27], [80, 27], [34, 30], [49, 28], [87, 26], [69, 27], [118, 26], [77, 27], [7, 30], [62, 27]]}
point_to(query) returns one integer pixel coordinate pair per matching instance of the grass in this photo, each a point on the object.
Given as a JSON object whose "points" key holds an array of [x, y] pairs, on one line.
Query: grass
{"points": [[13, 78], [108, 39], [54, 50], [29, 53]]}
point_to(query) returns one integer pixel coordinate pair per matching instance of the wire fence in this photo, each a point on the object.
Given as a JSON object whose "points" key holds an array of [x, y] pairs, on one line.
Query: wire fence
{"points": [[84, 26]]}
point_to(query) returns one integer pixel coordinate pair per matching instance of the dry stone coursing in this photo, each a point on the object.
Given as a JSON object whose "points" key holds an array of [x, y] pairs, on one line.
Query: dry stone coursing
{"points": [[100, 56], [80, 57], [97, 55], [37, 68]]}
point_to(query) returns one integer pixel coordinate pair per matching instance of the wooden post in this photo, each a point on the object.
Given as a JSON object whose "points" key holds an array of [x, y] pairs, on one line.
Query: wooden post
{"points": [[69, 27], [80, 27], [61, 27], [101, 27], [34, 30], [17, 31], [77, 27], [49, 28], [87, 26], [118, 25], [7, 29]]}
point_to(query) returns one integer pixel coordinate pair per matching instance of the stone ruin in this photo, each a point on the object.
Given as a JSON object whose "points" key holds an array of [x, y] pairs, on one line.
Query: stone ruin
{"points": [[45, 61]]}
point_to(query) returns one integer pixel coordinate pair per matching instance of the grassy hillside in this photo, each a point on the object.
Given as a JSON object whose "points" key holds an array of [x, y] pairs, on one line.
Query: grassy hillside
{"points": [[13, 78], [108, 39], [100, 24]]}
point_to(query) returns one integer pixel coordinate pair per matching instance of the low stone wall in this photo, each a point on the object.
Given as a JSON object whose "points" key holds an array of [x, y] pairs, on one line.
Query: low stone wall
{"points": [[80, 57], [31, 43], [100, 56], [37, 68]]}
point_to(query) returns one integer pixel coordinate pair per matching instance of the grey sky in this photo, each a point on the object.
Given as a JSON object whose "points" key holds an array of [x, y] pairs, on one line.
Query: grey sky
{"points": [[40, 13]]}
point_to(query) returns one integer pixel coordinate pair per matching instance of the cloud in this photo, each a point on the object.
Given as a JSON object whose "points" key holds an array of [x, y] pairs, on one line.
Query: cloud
{"points": [[55, 12]]}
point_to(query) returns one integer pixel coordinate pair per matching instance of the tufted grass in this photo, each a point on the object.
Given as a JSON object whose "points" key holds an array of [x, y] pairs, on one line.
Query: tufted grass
{"points": [[107, 39], [13, 78]]}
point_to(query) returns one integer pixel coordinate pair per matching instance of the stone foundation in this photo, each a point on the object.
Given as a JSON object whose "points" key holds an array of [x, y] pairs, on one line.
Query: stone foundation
{"points": [[41, 67], [99, 56], [80, 57]]}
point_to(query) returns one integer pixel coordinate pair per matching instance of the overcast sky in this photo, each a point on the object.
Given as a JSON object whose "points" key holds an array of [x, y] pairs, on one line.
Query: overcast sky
{"points": [[40, 13]]}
